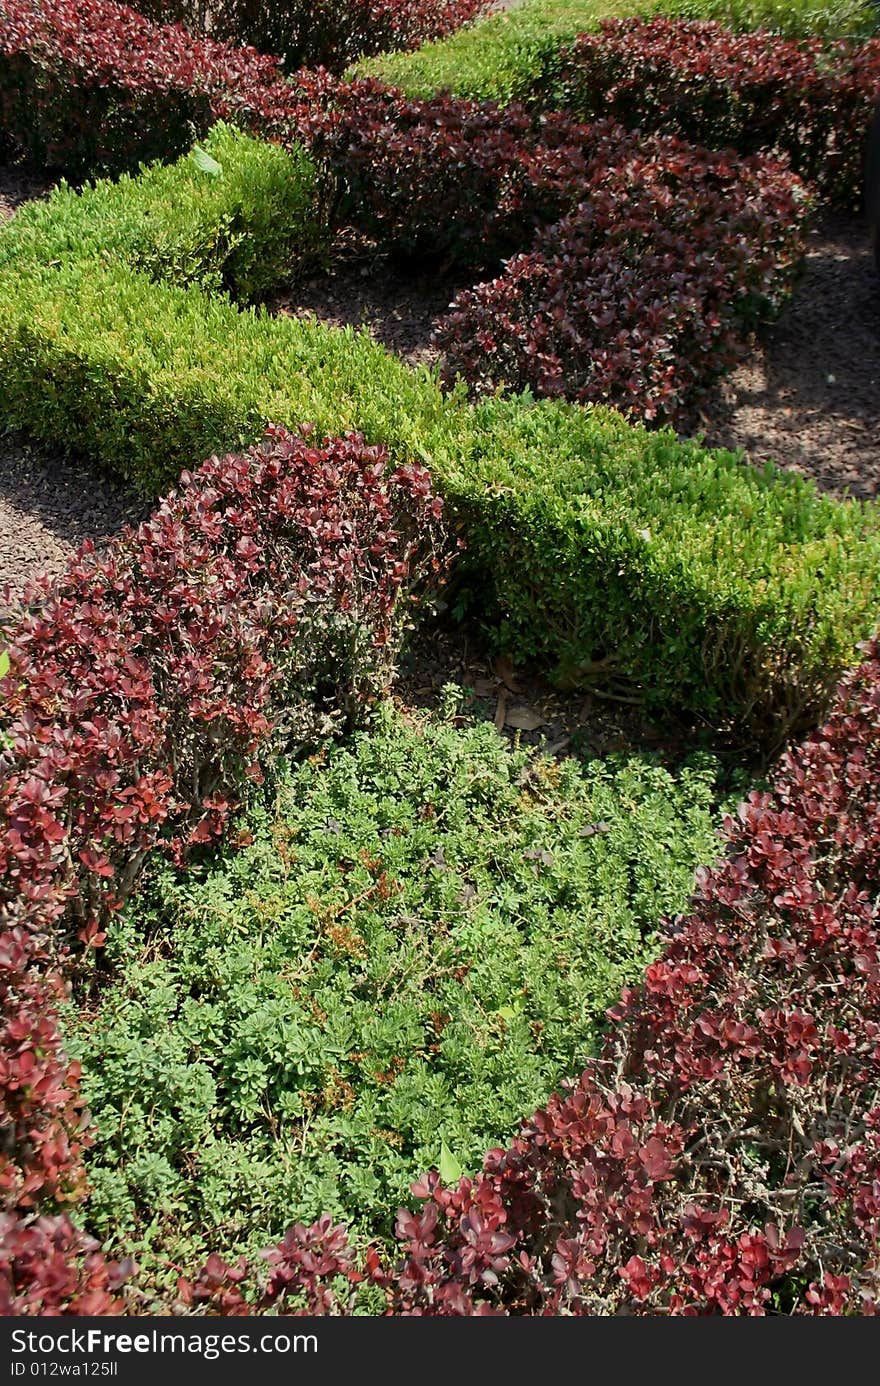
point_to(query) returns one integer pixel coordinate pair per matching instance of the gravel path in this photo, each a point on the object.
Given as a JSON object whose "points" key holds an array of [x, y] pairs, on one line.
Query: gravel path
{"points": [[50, 503]]}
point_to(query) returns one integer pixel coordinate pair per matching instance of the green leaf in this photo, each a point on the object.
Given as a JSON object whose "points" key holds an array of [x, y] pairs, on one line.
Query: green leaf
{"points": [[203, 161], [4, 664], [450, 1169]]}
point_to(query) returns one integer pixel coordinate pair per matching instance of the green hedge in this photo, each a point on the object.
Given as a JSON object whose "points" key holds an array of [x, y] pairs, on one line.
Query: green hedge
{"points": [[504, 57], [512, 56], [235, 214], [627, 559]]}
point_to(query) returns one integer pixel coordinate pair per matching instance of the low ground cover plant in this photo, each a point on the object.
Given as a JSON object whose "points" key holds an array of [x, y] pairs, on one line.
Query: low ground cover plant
{"points": [[754, 92], [415, 945], [722, 1156]]}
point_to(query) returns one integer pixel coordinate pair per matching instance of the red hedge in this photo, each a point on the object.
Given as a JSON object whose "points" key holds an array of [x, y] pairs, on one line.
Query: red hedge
{"points": [[723, 1154], [806, 98], [89, 86], [450, 180], [332, 34], [252, 611], [336, 33], [647, 290]]}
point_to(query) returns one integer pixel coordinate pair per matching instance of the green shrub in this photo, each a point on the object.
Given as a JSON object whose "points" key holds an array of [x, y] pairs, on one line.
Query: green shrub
{"points": [[512, 56], [743, 603], [793, 18], [503, 57], [237, 214], [152, 378], [416, 947]]}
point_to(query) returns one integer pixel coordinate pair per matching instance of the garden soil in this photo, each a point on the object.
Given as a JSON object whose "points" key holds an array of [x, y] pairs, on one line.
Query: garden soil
{"points": [[808, 396]]}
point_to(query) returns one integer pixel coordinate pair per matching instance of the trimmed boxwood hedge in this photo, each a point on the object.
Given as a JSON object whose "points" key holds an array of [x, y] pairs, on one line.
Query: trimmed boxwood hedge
{"points": [[633, 562]]}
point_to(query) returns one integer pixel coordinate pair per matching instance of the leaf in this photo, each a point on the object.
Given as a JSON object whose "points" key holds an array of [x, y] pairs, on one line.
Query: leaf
{"points": [[4, 664], [202, 160], [450, 1169], [524, 718]]}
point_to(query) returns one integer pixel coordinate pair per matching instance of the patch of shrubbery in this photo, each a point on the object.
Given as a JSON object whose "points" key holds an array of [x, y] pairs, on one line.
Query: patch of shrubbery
{"points": [[722, 1156], [754, 92], [253, 611], [413, 946], [148, 376], [644, 293], [646, 262], [97, 88], [332, 34], [233, 216], [655, 569], [514, 56], [696, 581]]}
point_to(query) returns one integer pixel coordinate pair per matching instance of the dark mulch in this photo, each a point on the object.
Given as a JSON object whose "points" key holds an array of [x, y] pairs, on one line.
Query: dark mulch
{"points": [[18, 185], [527, 710], [364, 288]]}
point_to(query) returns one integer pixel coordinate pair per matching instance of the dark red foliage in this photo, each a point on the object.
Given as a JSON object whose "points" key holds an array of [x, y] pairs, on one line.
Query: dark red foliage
{"points": [[252, 611], [722, 1156], [807, 98], [306, 1272], [339, 31], [91, 86], [647, 290], [446, 179], [431, 178], [40, 1115]]}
